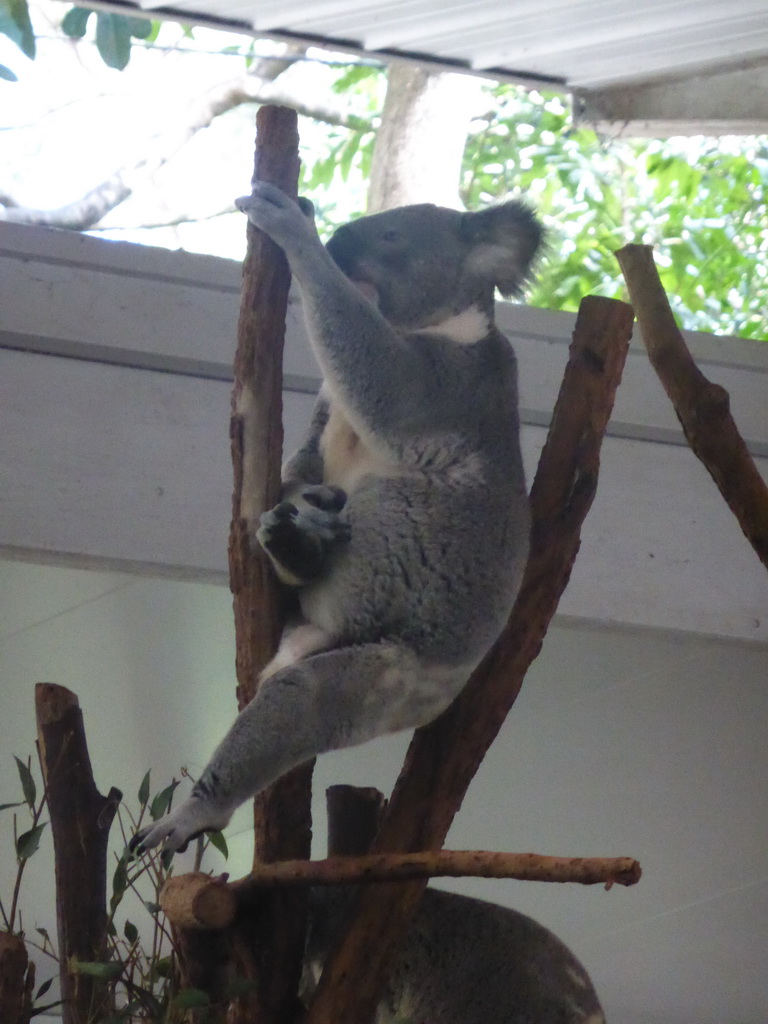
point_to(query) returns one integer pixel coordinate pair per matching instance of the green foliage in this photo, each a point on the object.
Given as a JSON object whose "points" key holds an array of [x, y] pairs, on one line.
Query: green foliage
{"points": [[337, 161], [114, 33], [28, 787], [703, 204], [16, 24], [138, 967], [28, 842]]}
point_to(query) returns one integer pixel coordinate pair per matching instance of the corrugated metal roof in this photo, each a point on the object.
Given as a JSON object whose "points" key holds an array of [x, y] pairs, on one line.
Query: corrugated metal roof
{"points": [[579, 43]]}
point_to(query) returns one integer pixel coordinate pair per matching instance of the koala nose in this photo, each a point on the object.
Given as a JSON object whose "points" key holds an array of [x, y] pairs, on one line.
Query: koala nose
{"points": [[343, 251]]}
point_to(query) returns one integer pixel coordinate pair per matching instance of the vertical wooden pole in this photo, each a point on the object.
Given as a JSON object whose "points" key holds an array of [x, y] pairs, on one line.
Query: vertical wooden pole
{"points": [[17, 980], [354, 816], [268, 949], [80, 822]]}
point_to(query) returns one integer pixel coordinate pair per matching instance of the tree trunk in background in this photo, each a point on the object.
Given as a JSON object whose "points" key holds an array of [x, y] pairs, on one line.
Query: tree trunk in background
{"points": [[420, 143]]}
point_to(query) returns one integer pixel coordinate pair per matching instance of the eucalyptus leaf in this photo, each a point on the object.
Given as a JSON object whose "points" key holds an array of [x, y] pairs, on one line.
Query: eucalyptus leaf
{"points": [[28, 842], [190, 999], [113, 39], [119, 883], [162, 801], [163, 967], [75, 22], [28, 787], [140, 28], [7, 75], [43, 988], [109, 971], [15, 23], [217, 840], [144, 790]]}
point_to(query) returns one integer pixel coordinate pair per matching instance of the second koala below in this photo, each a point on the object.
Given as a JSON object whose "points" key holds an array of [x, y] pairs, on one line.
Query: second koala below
{"points": [[404, 525], [464, 961]]}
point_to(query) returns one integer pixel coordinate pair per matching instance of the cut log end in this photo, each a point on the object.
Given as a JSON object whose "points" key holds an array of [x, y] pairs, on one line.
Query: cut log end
{"points": [[198, 901], [53, 701]]}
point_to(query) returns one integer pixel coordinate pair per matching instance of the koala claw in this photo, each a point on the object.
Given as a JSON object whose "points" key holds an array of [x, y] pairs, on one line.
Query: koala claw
{"points": [[270, 209], [176, 830], [325, 496], [299, 540]]}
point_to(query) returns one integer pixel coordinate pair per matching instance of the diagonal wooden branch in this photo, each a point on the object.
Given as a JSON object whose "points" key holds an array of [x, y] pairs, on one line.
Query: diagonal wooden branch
{"points": [[701, 406], [445, 755], [268, 948]]}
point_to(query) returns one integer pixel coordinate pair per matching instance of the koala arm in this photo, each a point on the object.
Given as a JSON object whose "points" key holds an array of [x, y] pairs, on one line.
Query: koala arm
{"points": [[306, 526], [386, 385], [305, 466]]}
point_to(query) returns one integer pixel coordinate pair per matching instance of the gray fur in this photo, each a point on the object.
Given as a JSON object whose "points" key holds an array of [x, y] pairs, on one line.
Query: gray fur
{"points": [[464, 961], [407, 573]]}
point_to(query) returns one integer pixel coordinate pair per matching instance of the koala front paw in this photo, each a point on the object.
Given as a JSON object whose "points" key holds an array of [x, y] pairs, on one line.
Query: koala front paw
{"points": [[299, 540], [279, 216], [175, 830]]}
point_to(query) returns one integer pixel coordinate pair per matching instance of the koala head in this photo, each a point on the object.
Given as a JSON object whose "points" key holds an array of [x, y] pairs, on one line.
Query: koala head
{"points": [[423, 264]]}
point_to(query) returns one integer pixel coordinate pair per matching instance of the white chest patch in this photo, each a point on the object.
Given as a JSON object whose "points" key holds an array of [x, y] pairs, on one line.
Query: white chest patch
{"points": [[464, 328]]}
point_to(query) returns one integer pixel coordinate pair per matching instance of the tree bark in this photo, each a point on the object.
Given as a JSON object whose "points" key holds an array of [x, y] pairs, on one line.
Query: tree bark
{"points": [[392, 867], [354, 816], [80, 822], [269, 947], [702, 407], [17, 980], [420, 142], [444, 756]]}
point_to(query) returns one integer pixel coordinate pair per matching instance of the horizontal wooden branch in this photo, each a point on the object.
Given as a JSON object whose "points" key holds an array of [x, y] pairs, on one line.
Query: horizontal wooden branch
{"points": [[702, 407], [200, 901], [391, 867], [196, 900]]}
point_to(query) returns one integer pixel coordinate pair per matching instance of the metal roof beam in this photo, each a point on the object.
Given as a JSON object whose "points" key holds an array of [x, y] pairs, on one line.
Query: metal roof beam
{"points": [[718, 103]]}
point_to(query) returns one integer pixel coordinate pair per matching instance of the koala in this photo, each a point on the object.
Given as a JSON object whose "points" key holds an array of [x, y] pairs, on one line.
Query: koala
{"points": [[464, 961], [403, 526]]}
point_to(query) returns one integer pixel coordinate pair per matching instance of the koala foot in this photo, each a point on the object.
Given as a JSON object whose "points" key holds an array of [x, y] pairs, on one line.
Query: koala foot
{"points": [[299, 540], [175, 830]]}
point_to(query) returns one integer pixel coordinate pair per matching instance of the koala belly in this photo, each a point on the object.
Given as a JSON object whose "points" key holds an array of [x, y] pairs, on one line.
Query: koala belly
{"points": [[413, 569], [346, 457]]}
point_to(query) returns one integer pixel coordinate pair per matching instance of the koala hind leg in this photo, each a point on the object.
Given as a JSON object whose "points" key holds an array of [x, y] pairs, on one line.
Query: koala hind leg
{"points": [[333, 699]]}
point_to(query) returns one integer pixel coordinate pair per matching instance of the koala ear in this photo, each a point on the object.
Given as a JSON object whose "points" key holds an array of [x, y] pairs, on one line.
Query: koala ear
{"points": [[503, 242]]}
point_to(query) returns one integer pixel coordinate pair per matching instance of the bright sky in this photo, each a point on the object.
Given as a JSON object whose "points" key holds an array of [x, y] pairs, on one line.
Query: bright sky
{"points": [[70, 122]]}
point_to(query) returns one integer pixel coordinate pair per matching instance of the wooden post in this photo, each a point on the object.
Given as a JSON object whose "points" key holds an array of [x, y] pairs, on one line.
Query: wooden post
{"points": [[268, 949], [17, 980], [80, 822], [354, 816], [444, 756]]}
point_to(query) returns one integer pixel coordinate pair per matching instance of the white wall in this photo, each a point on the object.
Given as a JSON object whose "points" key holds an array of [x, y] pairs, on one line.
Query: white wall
{"points": [[623, 742]]}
